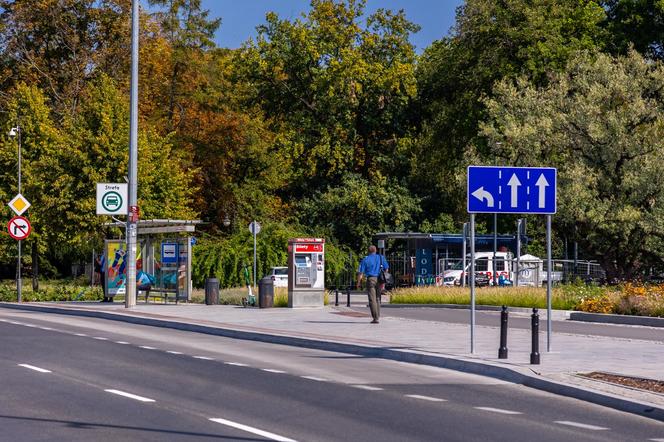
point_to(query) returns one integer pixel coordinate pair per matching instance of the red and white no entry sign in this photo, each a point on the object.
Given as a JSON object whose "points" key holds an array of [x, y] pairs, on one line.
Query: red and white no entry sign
{"points": [[19, 228]]}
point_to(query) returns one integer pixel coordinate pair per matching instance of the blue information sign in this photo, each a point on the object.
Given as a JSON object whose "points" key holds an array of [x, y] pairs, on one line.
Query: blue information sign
{"points": [[496, 189]]}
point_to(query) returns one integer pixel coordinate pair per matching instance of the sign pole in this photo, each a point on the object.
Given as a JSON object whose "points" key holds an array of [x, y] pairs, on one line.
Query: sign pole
{"points": [[19, 281], [548, 283], [495, 246], [130, 296], [472, 283], [253, 228], [518, 251], [463, 257]]}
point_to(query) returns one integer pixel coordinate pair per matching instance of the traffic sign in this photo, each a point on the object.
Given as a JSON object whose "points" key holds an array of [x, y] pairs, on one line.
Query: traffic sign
{"points": [[19, 204], [255, 227], [111, 198], [497, 189], [19, 228]]}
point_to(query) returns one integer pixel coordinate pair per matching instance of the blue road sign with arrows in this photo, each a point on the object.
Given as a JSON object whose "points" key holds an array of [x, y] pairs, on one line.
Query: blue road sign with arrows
{"points": [[496, 189]]}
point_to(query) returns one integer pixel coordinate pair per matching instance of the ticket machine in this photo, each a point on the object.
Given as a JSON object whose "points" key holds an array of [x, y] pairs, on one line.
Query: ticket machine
{"points": [[306, 272]]}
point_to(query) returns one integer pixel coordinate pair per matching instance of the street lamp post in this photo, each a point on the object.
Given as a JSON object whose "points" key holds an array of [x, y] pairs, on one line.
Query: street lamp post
{"points": [[16, 132], [132, 218]]}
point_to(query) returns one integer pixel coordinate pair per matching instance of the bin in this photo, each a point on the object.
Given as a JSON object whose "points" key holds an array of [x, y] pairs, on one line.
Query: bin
{"points": [[266, 292], [211, 291]]}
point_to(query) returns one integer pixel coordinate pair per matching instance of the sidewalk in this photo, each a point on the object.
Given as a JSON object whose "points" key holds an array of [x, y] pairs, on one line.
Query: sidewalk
{"points": [[431, 343]]}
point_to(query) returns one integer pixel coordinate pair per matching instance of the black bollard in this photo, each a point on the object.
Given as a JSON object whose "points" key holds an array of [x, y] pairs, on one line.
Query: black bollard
{"points": [[336, 296], [534, 355], [348, 297], [502, 351]]}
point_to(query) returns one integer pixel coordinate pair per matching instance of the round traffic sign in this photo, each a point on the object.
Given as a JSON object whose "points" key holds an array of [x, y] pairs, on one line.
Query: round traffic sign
{"points": [[111, 201], [255, 227], [19, 228]]}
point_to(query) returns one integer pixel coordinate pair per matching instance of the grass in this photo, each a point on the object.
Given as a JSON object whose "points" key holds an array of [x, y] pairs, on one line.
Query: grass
{"points": [[510, 296]]}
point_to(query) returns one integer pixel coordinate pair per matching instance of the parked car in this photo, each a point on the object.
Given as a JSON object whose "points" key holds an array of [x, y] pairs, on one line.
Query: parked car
{"points": [[279, 276], [481, 280]]}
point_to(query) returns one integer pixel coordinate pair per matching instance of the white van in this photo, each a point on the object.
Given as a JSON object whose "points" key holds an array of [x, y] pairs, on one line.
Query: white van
{"points": [[484, 265]]}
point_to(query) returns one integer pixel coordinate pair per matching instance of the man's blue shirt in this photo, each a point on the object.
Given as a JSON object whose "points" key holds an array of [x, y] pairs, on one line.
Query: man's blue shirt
{"points": [[370, 265]]}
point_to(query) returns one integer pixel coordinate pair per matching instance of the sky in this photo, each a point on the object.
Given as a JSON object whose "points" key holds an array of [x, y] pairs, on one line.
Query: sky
{"points": [[239, 18]]}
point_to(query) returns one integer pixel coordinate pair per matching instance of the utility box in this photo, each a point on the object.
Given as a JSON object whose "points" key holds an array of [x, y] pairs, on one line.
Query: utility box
{"points": [[306, 272]]}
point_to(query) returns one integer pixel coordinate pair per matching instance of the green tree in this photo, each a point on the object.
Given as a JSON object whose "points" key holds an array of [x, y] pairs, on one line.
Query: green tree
{"points": [[600, 122]]}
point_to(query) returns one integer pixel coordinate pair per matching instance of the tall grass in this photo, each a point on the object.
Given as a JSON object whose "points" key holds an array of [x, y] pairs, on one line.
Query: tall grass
{"points": [[510, 296]]}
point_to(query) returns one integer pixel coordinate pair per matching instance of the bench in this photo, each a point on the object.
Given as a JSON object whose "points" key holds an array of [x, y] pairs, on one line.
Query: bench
{"points": [[159, 293]]}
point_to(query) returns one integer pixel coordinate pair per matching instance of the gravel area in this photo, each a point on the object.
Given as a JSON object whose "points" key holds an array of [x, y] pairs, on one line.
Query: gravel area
{"points": [[628, 381]]}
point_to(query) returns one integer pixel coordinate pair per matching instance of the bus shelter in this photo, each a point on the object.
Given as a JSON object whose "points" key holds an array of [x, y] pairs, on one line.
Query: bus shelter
{"points": [[163, 260]]}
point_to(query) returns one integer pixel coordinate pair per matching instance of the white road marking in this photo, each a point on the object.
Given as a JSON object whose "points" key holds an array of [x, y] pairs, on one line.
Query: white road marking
{"points": [[130, 396], [32, 367], [205, 358], [30, 325], [314, 378], [657, 440], [367, 387], [579, 425], [99, 338], [498, 410], [237, 364], [80, 334], [425, 398], [14, 322], [252, 430], [147, 347], [44, 328], [174, 352], [272, 370], [122, 342]]}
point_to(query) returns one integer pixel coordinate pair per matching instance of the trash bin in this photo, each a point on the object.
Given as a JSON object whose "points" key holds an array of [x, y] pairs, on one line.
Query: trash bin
{"points": [[266, 292], [211, 291]]}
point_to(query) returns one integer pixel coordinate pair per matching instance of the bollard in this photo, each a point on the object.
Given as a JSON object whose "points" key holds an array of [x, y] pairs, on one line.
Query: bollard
{"points": [[502, 350], [348, 296], [336, 296], [534, 355]]}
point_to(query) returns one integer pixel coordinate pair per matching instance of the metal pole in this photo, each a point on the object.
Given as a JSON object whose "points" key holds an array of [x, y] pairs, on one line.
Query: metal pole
{"points": [[19, 281], [253, 229], [472, 283], [495, 245], [130, 297], [548, 283], [463, 255], [502, 350], [518, 251]]}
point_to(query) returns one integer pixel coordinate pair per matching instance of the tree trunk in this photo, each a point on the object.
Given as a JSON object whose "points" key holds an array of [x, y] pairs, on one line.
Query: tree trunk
{"points": [[35, 267]]}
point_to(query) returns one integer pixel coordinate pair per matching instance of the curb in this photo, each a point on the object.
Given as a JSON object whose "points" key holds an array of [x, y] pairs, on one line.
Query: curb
{"points": [[462, 364], [605, 318]]}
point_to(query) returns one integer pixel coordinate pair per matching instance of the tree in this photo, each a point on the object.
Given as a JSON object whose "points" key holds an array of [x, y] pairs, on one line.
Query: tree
{"points": [[491, 40], [637, 24], [600, 122]]}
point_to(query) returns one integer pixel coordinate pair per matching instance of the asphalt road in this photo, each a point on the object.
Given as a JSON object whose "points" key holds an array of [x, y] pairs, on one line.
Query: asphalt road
{"points": [[521, 321], [68, 378]]}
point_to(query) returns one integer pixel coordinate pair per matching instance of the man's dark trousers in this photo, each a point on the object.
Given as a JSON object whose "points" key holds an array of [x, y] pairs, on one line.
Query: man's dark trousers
{"points": [[372, 289]]}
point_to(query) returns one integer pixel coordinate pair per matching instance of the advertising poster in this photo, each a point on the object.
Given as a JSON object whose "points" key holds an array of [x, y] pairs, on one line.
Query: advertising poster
{"points": [[116, 267]]}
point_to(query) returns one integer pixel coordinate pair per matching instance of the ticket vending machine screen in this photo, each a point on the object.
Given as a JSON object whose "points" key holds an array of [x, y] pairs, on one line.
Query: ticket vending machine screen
{"points": [[305, 271]]}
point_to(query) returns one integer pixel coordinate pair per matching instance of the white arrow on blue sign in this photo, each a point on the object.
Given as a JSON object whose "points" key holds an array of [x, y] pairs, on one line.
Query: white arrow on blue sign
{"points": [[497, 189]]}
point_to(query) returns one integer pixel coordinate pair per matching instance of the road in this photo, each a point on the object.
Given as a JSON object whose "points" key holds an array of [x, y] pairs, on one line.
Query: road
{"points": [[521, 321], [83, 379]]}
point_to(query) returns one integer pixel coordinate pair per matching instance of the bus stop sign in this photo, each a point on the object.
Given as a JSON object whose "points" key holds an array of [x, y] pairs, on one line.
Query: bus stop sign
{"points": [[525, 190]]}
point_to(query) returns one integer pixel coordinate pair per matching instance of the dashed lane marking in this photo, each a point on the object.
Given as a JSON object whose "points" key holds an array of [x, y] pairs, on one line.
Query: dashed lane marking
{"points": [[80, 334], [32, 367], [205, 358], [237, 364], [122, 342], [580, 425], [425, 398], [45, 328], [498, 410], [174, 352], [146, 347], [314, 378], [130, 396], [367, 387], [272, 370], [252, 430], [100, 338]]}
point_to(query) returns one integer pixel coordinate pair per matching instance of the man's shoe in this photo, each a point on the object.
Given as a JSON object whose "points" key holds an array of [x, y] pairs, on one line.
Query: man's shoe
{"points": [[375, 321]]}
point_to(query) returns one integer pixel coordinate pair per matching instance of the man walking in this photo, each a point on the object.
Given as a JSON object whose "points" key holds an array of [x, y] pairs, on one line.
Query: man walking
{"points": [[370, 267]]}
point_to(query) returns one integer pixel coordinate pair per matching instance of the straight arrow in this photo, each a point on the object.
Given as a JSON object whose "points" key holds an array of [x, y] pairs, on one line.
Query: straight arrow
{"points": [[514, 184], [542, 184]]}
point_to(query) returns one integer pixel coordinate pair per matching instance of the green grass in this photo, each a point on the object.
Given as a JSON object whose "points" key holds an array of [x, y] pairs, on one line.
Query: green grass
{"points": [[509, 296]]}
